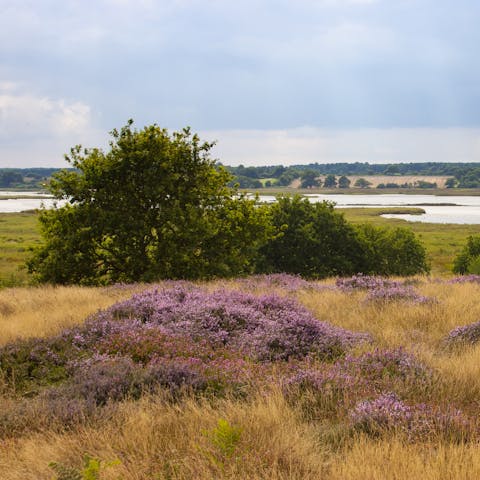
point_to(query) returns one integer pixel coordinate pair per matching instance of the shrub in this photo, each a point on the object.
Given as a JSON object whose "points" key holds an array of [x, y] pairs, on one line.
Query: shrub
{"points": [[466, 334], [381, 365], [473, 278], [391, 251], [388, 413], [396, 293], [364, 282], [266, 328], [468, 258], [311, 239]]}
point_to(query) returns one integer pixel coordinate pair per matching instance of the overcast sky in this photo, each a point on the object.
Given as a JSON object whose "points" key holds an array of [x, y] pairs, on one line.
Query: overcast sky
{"points": [[273, 81]]}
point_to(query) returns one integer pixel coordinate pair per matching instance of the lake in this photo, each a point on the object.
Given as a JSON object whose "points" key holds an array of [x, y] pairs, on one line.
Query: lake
{"points": [[12, 205], [438, 209]]}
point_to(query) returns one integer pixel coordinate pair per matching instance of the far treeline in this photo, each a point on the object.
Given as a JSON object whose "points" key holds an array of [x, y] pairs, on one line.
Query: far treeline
{"points": [[464, 175], [156, 206]]}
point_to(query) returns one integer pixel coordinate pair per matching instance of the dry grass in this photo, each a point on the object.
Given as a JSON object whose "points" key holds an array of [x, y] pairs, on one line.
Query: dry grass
{"points": [[155, 439], [44, 311]]}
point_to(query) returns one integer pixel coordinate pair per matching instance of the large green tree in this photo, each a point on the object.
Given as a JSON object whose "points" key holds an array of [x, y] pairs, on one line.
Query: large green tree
{"points": [[391, 251], [312, 240], [153, 206]]}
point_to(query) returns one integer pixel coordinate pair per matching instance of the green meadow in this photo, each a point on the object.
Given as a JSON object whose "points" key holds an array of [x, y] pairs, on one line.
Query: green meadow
{"points": [[20, 231]]}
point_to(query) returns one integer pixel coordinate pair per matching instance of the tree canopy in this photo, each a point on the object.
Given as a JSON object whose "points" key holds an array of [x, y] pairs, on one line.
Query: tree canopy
{"points": [[312, 240], [153, 206], [468, 260]]}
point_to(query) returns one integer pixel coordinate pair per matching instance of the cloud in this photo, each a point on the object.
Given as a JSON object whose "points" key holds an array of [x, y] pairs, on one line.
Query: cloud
{"points": [[39, 128], [309, 145]]}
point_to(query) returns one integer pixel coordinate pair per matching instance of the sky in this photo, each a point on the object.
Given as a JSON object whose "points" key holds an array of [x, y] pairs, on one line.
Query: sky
{"points": [[271, 81]]}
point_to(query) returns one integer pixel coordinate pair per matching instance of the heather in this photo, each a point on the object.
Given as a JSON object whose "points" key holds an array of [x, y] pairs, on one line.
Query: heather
{"points": [[261, 377], [464, 334]]}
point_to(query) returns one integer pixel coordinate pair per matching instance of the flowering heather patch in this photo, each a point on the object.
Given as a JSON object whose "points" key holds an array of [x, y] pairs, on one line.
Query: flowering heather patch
{"points": [[364, 282], [143, 342], [265, 328], [180, 339], [388, 413], [396, 293], [102, 378], [466, 334], [330, 381], [353, 377], [465, 279], [385, 412], [284, 281], [381, 365]]}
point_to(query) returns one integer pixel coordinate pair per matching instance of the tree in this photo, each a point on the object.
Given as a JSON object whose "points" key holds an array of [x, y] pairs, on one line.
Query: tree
{"points": [[330, 181], [344, 182], [391, 251], [450, 182], [10, 178], [467, 260], [362, 183], [154, 206], [309, 239], [309, 179]]}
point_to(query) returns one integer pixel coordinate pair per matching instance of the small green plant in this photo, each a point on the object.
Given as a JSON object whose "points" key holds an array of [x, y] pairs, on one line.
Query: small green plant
{"points": [[224, 439], [90, 471]]}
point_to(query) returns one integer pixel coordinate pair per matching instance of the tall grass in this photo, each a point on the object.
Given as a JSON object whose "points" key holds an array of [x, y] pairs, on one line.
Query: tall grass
{"points": [[44, 311], [277, 436]]}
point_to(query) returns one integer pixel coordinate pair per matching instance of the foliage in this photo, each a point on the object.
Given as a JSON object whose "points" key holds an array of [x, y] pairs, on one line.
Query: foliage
{"points": [[362, 183], [154, 206], [224, 437], [391, 251], [344, 182], [310, 180], [330, 181], [312, 240], [466, 261], [10, 178], [91, 469]]}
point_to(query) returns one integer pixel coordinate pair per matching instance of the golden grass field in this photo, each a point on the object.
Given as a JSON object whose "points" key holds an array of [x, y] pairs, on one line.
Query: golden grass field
{"points": [[375, 180], [154, 438]]}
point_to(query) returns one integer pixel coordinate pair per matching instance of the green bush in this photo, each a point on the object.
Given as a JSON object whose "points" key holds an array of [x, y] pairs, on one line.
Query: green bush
{"points": [[467, 261]]}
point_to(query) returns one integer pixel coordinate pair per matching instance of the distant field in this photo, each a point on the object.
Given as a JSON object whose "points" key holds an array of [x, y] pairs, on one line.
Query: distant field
{"points": [[377, 179], [399, 180], [18, 232]]}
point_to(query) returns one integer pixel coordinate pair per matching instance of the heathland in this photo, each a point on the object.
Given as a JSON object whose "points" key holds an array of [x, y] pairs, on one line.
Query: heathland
{"points": [[263, 377], [268, 377]]}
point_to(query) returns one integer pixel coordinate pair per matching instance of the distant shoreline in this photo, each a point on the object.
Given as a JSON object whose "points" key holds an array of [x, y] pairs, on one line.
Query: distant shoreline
{"points": [[440, 192]]}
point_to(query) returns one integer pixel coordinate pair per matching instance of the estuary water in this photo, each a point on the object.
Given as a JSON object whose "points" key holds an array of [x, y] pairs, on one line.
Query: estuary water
{"points": [[11, 205], [438, 209]]}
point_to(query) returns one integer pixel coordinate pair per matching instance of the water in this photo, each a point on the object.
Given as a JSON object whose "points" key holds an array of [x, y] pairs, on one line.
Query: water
{"points": [[12, 205], [438, 209]]}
